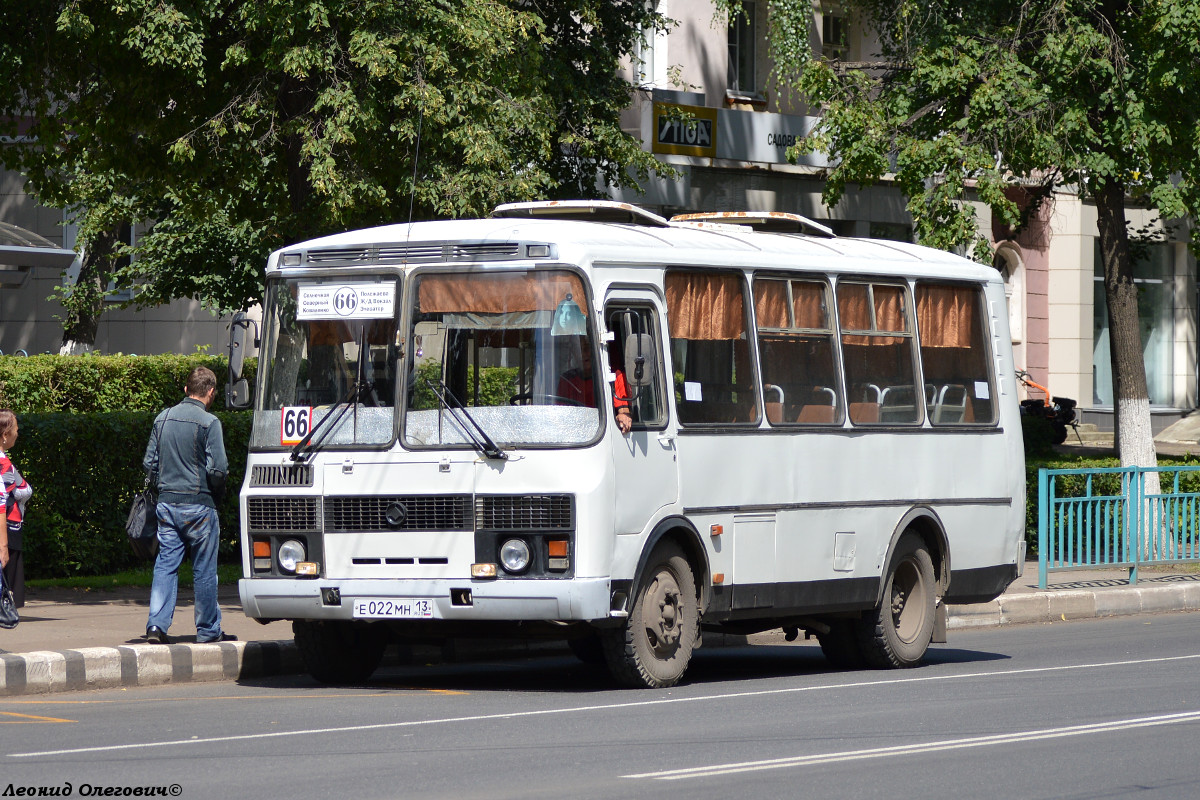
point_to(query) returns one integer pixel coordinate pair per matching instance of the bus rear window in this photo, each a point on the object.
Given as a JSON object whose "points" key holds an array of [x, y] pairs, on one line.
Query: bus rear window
{"points": [[954, 354]]}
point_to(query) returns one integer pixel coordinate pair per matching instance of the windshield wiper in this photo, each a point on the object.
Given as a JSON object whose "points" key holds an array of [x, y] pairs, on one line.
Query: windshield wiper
{"points": [[298, 450], [483, 443]]}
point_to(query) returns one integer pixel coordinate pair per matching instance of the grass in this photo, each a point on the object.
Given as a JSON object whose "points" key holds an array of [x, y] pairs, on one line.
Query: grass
{"points": [[139, 578]]}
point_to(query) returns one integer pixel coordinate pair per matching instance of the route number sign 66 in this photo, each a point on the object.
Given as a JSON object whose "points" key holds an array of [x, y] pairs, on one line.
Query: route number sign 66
{"points": [[294, 423]]}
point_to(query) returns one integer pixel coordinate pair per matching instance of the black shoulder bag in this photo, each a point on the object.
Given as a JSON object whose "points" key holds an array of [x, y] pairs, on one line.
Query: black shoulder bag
{"points": [[142, 524]]}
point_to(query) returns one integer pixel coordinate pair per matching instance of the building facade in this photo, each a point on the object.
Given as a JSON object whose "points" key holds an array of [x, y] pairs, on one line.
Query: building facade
{"points": [[30, 319]]}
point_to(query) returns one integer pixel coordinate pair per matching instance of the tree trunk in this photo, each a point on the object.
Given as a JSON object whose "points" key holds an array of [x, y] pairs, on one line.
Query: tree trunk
{"points": [[83, 303], [1131, 397]]}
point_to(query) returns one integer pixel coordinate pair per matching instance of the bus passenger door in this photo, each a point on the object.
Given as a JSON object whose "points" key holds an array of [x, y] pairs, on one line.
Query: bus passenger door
{"points": [[646, 478]]}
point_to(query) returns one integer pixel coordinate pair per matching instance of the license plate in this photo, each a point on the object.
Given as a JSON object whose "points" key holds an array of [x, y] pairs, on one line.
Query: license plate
{"points": [[393, 608]]}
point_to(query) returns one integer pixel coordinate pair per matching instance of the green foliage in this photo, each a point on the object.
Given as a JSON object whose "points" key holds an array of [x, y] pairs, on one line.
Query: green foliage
{"points": [[85, 470], [92, 383], [979, 98], [497, 385], [240, 126]]}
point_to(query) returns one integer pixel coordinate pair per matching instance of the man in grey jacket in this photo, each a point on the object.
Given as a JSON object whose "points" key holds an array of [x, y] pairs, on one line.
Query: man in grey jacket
{"points": [[186, 461]]}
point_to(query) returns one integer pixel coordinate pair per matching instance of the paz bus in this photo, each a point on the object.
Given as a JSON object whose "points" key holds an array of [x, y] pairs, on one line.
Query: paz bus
{"points": [[823, 438]]}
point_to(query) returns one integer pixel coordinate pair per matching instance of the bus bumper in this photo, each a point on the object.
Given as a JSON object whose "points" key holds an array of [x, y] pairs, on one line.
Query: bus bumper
{"points": [[276, 598]]}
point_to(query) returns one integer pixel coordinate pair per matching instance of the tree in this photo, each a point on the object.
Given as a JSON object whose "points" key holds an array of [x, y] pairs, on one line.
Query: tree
{"points": [[981, 97], [240, 126]]}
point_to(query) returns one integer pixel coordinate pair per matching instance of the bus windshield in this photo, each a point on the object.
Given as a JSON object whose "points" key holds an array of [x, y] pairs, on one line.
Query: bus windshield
{"points": [[329, 350], [511, 352]]}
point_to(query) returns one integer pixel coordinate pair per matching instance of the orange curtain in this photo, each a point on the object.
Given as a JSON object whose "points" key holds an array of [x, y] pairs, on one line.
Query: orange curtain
{"points": [[889, 308], [852, 300], [770, 303], [808, 304], [852, 307], [499, 293], [808, 307], [946, 315], [702, 306]]}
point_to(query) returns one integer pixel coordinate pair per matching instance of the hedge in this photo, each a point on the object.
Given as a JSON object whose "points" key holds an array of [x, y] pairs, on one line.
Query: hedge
{"points": [[85, 470], [91, 383]]}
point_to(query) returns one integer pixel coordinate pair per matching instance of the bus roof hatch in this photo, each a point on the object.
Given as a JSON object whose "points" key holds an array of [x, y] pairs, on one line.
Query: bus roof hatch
{"points": [[586, 210], [766, 221]]}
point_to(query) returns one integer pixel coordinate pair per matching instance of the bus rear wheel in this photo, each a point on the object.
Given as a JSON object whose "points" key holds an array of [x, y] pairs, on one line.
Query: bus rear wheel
{"points": [[898, 632], [339, 652], [652, 649]]}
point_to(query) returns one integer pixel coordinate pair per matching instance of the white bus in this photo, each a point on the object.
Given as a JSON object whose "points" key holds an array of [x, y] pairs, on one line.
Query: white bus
{"points": [[824, 437]]}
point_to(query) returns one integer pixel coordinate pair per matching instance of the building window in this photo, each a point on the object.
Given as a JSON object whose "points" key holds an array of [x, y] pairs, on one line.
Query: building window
{"points": [[834, 39], [1153, 274], [741, 51]]}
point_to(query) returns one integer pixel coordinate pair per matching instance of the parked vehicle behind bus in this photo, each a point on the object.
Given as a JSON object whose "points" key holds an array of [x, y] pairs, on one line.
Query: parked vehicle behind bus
{"points": [[825, 438]]}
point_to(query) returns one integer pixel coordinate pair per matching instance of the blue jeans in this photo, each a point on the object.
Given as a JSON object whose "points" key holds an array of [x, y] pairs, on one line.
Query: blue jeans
{"points": [[195, 530]]}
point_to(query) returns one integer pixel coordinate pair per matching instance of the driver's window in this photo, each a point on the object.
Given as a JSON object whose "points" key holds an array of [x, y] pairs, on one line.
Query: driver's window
{"points": [[636, 365]]}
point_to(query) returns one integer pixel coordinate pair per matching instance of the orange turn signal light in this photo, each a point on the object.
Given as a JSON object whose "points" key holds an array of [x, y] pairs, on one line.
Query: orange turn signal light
{"points": [[483, 570], [262, 548], [716, 530], [557, 548]]}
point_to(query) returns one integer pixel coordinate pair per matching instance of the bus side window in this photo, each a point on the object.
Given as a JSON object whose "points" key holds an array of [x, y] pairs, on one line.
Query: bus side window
{"points": [[877, 353], [633, 327], [795, 349], [954, 354], [710, 348]]}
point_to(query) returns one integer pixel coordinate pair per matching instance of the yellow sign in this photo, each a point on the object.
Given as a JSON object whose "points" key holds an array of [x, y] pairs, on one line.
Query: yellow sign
{"points": [[685, 130]]}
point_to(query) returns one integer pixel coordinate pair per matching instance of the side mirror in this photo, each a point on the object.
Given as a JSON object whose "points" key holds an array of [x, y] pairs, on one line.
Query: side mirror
{"points": [[639, 359], [238, 392]]}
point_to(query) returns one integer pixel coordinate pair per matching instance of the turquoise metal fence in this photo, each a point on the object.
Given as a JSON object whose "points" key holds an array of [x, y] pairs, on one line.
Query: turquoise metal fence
{"points": [[1115, 517]]}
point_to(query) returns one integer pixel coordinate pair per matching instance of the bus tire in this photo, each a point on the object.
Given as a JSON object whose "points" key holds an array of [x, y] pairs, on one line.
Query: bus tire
{"points": [[652, 649], [897, 633], [339, 652], [840, 645]]}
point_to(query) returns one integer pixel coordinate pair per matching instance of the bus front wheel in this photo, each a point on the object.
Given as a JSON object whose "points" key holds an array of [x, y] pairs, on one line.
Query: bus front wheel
{"points": [[652, 649], [898, 632], [339, 652]]}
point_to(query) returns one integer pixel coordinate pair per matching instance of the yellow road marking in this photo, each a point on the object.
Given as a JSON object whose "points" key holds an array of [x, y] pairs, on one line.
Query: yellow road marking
{"points": [[27, 719]]}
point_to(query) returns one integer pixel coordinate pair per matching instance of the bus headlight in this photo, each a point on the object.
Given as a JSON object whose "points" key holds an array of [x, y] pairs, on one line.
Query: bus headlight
{"points": [[514, 555], [290, 554]]}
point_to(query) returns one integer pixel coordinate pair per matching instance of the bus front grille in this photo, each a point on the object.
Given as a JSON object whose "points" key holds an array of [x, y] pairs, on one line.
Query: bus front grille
{"points": [[525, 512], [398, 513], [281, 475], [283, 514]]}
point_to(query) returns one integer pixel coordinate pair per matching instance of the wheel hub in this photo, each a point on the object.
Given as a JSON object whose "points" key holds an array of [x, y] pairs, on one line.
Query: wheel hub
{"points": [[663, 615]]}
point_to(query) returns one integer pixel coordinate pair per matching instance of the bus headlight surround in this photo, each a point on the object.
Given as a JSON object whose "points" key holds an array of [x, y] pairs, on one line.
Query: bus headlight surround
{"points": [[515, 555], [290, 553]]}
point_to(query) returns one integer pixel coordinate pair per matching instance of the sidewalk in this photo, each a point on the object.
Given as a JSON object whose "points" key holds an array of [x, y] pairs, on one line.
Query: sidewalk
{"points": [[70, 640]]}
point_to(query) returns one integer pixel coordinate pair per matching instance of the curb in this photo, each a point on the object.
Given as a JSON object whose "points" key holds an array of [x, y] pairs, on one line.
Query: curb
{"points": [[1065, 605], [46, 671]]}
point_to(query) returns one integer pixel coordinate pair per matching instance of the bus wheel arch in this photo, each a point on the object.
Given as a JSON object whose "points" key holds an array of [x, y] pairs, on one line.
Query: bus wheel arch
{"points": [[680, 531], [923, 522]]}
